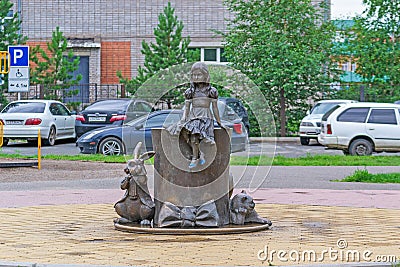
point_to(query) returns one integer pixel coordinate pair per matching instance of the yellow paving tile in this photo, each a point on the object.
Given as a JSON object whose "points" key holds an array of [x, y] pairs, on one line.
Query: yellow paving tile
{"points": [[84, 234]]}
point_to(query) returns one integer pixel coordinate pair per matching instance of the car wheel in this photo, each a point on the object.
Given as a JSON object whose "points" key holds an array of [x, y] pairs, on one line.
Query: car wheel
{"points": [[304, 141], [111, 146], [360, 147], [51, 139], [5, 141]]}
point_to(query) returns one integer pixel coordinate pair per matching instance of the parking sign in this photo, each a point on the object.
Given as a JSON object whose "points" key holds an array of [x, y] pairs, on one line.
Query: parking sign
{"points": [[19, 56], [18, 77]]}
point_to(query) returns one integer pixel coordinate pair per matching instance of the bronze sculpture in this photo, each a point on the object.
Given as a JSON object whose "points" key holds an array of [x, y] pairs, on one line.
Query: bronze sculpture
{"points": [[242, 210], [137, 204], [197, 123], [188, 199]]}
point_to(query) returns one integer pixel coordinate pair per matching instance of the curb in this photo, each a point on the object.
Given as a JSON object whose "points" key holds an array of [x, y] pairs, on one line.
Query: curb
{"points": [[274, 139], [18, 164]]}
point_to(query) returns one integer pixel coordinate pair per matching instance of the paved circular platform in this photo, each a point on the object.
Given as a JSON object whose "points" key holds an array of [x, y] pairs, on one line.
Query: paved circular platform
{"points": [[228, 229]]}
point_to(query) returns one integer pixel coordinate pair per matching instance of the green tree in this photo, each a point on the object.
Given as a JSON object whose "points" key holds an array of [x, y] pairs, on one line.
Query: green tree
{"points": [[284, 47], [169, 49], [374, 41], [9, 34], [55, 66]]}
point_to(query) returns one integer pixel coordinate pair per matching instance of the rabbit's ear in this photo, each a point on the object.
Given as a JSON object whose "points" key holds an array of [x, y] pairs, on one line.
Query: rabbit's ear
{"points": [[147, 155], [137, 150]]}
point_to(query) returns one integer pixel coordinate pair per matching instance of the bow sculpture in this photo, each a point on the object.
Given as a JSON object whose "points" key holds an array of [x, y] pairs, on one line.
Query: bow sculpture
{"points": [[172, 216]]}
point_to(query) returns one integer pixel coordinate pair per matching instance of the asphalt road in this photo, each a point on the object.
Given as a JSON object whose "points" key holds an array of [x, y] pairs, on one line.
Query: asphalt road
{"points": [[246, 177], [288, 149]]}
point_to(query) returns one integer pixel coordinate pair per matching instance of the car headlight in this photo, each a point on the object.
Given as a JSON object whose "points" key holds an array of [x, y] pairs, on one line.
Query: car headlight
{"points": [[306, 123]]}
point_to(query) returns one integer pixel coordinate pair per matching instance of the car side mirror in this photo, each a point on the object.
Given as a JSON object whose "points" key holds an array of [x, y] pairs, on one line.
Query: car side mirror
{"points": [[139, 126], [308, 112]]}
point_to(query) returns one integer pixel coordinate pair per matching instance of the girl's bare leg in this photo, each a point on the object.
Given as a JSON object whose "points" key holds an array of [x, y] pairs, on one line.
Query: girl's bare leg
{"points": [[195, 143]]}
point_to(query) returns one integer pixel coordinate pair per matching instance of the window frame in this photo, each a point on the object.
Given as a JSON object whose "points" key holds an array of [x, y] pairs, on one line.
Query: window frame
{"points": [[379, 122], [354, 108]]}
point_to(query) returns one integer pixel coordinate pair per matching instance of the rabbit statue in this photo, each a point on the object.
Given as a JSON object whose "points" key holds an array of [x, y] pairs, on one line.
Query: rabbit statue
{"points": [[137, 205]]}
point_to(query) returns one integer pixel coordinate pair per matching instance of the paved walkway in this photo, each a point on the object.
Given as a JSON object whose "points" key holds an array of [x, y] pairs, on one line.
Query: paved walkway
{"points": [[84, 234], [50, 227]]}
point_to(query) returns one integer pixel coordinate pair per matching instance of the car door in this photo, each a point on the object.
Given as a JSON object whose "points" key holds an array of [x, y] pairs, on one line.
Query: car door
{"points": [[58, 118], [69, 120], [153, 122], [141, 132], [383, 126]]}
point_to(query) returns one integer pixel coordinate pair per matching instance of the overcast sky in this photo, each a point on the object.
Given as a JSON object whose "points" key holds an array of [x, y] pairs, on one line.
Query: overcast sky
{"points": [[342, 9]]}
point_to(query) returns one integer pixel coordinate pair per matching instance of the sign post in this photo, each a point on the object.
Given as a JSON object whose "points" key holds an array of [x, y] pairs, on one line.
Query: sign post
{"points": [[1, 133], [4, 62], [18, 77]]}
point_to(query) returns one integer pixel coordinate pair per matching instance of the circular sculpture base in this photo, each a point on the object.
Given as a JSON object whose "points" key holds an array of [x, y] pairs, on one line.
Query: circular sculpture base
{"points": [[227, 229]]}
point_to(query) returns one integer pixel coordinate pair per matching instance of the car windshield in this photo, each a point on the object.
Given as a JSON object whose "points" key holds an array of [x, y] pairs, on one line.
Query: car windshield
{"points": [[109, 105], [322, 108], [329, 112], [226, 112], [25, 107]]}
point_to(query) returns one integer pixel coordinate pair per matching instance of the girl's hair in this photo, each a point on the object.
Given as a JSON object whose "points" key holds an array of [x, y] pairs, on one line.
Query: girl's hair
{"points": [[201, 66]]}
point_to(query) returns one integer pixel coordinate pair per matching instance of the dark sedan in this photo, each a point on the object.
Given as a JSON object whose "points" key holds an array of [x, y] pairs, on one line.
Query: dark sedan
{"points": [[236, 109], [122, 139], [110, 112]]}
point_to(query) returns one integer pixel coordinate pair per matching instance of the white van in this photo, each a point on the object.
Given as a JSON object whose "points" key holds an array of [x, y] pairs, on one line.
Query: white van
{"points": [[362, 128], [311, 124]]}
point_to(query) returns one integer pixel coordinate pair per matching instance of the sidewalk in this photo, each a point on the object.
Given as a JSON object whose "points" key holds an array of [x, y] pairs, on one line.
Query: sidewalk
{"points": [[84, 234]]}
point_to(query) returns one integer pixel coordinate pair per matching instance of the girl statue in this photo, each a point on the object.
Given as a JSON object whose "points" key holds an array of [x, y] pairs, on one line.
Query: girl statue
{"points": [[197, 123]]}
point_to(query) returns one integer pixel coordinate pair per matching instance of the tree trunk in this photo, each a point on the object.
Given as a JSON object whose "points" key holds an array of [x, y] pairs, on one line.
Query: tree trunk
{"points": [[282, 114]]}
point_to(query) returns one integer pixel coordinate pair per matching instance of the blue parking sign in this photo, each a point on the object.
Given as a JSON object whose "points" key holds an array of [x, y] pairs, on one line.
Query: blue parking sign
{"points": [[19, 56]]}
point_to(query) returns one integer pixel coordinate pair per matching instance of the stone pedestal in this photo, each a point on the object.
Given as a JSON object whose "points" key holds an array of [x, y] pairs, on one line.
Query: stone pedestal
{"points": [[174, 182]]}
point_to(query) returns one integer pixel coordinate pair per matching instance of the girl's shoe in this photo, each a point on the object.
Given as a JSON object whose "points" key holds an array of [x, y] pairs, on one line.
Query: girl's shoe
{"points": [[193, 163], [201, 159]]}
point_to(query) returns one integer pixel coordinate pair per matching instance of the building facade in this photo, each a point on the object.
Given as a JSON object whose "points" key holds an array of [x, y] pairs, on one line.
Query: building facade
{"points": [[107, 35]]}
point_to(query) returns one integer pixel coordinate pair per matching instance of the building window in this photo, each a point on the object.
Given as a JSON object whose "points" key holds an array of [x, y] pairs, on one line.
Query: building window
{"points": [[210, 54], [222, 55], [213, 55]]}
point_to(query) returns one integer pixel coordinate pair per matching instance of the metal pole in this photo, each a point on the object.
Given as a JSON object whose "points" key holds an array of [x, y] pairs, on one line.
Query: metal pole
{"points": [[39, 150], [1, 133], [19, 33]]}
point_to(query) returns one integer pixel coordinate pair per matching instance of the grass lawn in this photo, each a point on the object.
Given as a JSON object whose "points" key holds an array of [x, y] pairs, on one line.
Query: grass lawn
{"points": [[364, 176], [317, 160]]}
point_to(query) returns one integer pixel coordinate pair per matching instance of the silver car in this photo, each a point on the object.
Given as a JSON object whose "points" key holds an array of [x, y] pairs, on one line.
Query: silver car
{"points": [[24, 118]]}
